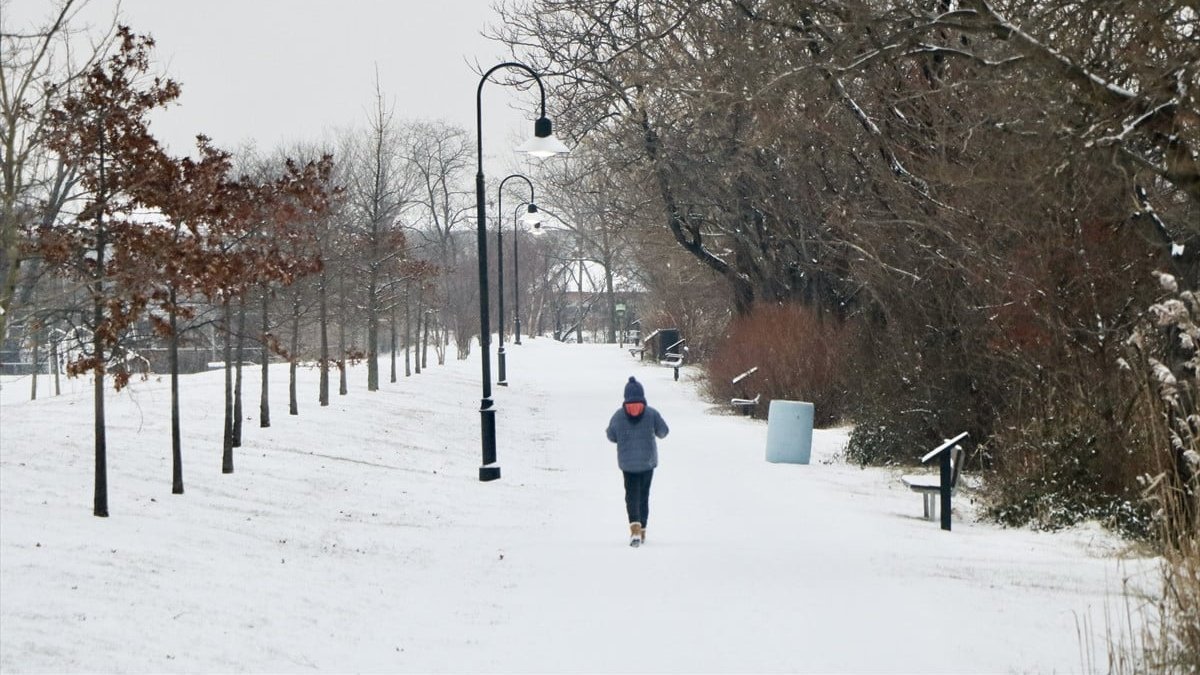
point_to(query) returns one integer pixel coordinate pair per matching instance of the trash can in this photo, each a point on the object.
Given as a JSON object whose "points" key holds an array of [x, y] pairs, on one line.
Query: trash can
{"points": [[666, 337], [789, 432]]}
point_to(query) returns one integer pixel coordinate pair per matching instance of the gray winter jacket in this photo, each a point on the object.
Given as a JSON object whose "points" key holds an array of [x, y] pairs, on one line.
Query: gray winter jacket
{"points": [[637, 449]]}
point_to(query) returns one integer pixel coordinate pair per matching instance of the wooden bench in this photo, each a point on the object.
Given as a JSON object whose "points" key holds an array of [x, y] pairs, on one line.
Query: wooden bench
{"points": [[930, 485]]}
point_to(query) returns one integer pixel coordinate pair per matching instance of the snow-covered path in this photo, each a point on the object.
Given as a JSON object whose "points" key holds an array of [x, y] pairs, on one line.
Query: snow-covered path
{"points": [[357, 538]]}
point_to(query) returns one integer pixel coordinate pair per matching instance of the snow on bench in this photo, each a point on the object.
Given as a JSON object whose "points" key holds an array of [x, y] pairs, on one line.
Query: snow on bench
{"points": [[672, 360], [745, 403]]}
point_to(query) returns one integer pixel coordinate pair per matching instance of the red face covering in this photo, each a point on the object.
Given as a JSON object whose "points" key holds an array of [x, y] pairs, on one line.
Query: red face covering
{"points": [[635, 408]]}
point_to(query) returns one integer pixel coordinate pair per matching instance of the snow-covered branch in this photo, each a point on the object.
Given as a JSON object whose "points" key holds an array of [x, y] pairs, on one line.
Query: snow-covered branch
{"points": [[1077, 71]]}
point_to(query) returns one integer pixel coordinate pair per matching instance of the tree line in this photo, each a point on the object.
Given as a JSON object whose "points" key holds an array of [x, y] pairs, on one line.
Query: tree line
{"points": [[351, 248]]}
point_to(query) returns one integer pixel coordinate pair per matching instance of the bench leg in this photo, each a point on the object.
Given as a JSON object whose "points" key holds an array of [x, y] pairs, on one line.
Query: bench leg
{"points": [[930, 505]]}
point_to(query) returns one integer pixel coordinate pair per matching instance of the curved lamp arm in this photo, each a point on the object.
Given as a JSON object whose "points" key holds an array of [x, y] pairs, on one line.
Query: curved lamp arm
{"points": [[500, 196], [479, 105], [528, 182]]}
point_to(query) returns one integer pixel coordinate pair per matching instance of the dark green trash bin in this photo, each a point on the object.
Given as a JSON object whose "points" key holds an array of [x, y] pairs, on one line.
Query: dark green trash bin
{"points": [[666, 338]]}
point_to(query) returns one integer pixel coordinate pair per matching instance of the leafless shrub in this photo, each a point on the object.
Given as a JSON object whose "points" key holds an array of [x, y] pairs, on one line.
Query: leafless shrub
{"points": [[799, 354]]}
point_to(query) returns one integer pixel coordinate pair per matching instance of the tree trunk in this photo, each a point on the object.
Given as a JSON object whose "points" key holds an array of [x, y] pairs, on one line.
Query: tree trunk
{"points": [[100, 501], [417, 335], [342, 361], [373, 331], [54, 365], [579, 307], [237, 382], [37, 356], [176, 435], [8, 284], [407, 331], [100, 497], [442, 340], [392, 335], [612, 304], [539, 315], [227, 439], [323, 394], [425, 343], [264, 399], [293, 355]]}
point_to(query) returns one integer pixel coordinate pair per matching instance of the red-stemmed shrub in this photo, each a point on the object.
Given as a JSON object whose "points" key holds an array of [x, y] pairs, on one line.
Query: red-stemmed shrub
{"points": [[799, 354]]}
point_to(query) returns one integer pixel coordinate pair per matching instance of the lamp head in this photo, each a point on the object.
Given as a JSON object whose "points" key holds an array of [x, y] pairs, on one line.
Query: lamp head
{"points": [[543, 144], [532, 217]]}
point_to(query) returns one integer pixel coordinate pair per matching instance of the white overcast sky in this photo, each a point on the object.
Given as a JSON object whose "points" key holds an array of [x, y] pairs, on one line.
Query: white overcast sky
{"points": [[278, 71]]}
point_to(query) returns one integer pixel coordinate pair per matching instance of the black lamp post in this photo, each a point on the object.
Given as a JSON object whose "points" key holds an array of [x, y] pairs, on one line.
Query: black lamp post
{"points": [[502, 375], [531, 216], [544, 144]]}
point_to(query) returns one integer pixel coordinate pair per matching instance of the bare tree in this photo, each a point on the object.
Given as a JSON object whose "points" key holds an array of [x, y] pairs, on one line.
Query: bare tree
{"points": [[590, 204], [378, 190], [439, 156], [38, 68]]}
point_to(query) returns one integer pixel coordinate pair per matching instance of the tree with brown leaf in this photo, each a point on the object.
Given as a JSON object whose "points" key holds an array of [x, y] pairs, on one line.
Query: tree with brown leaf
{"points": [[101, 132]]}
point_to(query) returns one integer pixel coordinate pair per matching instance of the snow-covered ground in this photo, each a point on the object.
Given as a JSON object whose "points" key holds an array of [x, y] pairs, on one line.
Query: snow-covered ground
{"points": [[357, 538]]}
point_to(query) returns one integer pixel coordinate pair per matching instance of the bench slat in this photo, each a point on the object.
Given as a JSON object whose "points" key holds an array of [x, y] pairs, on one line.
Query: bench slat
{"points": [[922, 483]]}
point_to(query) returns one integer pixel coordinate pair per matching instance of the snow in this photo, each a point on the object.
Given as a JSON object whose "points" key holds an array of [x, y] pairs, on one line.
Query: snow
{"points": [[357, 537]]}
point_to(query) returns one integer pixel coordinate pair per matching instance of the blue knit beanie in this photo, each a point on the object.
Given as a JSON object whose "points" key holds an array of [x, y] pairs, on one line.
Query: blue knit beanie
{"points": [[634, 391]]}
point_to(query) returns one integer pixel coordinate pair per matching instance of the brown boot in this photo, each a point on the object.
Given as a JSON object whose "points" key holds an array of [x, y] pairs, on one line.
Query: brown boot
{"points": [[635, 534], [643, 534]]}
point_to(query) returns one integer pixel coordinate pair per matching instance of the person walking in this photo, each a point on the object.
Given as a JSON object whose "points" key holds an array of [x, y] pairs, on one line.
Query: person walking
{"points": [[635, 428]]}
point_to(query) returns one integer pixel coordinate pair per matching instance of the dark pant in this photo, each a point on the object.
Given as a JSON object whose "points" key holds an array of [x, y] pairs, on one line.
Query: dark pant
{"points": [[637, 495]]}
